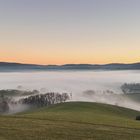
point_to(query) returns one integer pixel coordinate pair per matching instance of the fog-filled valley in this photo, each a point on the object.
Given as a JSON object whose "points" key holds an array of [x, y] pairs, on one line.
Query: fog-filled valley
{"points": [[92, 86]]}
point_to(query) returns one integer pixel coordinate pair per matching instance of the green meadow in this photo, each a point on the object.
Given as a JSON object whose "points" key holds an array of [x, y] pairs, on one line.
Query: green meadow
{"points": [[72, 121]]}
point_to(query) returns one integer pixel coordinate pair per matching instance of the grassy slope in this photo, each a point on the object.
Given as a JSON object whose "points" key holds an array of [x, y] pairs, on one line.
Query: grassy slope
{"points": [[70, 121]]}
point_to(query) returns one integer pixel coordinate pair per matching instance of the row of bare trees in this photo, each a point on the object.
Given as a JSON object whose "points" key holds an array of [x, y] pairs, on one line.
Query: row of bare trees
{"points": [[46, 99], [36, 99]]}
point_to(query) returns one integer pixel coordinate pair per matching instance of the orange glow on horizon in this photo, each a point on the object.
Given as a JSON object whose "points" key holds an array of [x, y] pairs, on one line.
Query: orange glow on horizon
{"points": [[54, 62]]}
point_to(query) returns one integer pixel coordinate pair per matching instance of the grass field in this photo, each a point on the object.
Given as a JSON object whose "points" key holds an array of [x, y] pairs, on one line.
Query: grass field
{"points": [[72, 121]]}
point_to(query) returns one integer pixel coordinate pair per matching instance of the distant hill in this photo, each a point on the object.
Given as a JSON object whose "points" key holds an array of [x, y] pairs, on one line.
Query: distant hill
{"points": [[6, 66]]}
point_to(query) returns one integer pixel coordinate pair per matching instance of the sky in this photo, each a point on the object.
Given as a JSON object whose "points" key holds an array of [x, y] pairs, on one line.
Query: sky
{"points": [[70, 31]]}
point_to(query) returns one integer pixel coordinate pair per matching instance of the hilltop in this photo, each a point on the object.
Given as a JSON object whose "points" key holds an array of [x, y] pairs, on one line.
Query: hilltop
{"points": [[73, 121]]}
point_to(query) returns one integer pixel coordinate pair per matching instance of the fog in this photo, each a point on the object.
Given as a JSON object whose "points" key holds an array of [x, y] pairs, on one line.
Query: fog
{"points": [[17, 108], [84, 85]]}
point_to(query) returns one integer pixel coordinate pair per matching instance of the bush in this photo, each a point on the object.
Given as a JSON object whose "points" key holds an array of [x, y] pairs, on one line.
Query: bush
{"points": [[138, 118]]}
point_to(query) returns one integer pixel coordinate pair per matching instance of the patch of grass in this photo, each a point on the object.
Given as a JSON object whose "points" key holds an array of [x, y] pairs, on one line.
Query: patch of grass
{"points": [[72, 121]]}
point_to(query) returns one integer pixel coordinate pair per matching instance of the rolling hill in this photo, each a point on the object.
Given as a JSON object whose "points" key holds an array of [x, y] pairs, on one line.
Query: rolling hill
{"points": [[72, 121]]}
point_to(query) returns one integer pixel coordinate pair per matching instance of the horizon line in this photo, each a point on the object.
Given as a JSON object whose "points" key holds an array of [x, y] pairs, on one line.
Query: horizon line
{"points": [[13, 62]]}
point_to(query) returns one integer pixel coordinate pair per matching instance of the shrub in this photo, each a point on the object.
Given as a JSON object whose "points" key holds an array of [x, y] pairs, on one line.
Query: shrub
{"points": [[138, 118]]}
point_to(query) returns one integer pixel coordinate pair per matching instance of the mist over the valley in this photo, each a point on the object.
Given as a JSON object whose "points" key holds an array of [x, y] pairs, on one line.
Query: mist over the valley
{"points": [[93, 86]]}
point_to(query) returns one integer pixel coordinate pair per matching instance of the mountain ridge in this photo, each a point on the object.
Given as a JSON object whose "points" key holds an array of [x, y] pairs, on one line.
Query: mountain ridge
{"points": [[11, 66]]}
